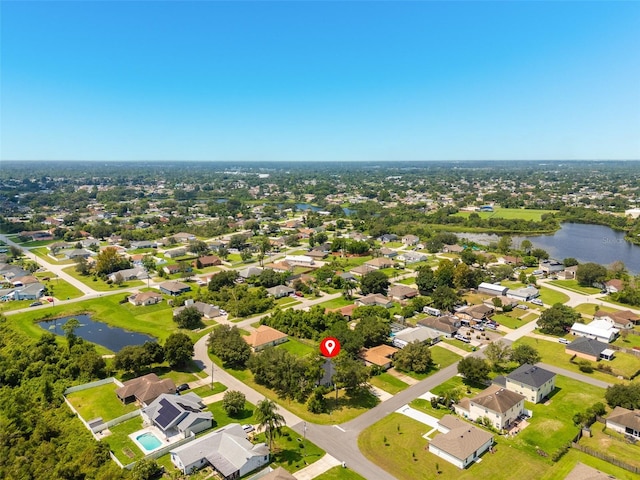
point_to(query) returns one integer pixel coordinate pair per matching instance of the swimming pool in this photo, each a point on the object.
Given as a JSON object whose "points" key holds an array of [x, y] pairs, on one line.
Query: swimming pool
{"points": [[149, 441]]}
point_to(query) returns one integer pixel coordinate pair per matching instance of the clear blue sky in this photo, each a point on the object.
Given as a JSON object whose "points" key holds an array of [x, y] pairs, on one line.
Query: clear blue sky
{"points": [[325, 81]]}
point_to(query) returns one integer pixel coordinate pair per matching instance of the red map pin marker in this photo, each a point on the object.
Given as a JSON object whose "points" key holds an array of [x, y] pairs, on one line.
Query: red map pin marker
{"points": [[330, 347]]}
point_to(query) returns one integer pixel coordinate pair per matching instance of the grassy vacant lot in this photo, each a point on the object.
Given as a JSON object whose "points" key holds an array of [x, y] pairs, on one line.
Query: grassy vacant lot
{"points": [[455, 382], [395, 444], [441, 358], [388, 383], [347, 409], [569, 461], [14, 305], [336, 303], [220, 417], [515, 318], [99, 402], [411, 281], [509, 213], [551, 297], [339, 473], [554, 354], [207, 391], [61, 289], [612, 443], [155, 320], [99, 284], [591, 308], [573, 286], [300, 348], [629, 341], [291, 452]]}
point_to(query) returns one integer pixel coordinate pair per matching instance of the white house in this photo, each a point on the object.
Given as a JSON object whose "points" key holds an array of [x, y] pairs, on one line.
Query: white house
{"points": [[625, 421], [415, 334], [227, 450], [523, 294], [492, 289], [600, 330], [303, 260], [178, 414], [533, 382], [459, 443], [501, 406]]}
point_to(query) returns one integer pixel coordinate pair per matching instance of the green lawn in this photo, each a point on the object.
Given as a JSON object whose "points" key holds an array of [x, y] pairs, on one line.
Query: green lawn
{"points": [[61, 289], [554, 354], [511, 320], [287, 302], [336, 303], [100, 402], [441, 358], [551, 297], [395, 444], [425, 406], [206, 391], [121, 445], [568, 462], [292, 452], [575, 287], [339, 473], [411, 281], [14, 305], [348, 407], [591, 308], [458, 343], [509, 213], [99, 284], [300, 348], [220, 417], [471, 388], [629, 341], [388, 383], [612, 443]]}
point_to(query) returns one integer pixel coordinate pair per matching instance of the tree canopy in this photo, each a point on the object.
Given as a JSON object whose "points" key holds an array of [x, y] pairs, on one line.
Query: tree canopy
{"points": [[558, 319]]}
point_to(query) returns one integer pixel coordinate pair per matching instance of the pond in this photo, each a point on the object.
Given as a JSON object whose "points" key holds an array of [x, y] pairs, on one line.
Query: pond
{"points": [[113, 338], [586, 243]]}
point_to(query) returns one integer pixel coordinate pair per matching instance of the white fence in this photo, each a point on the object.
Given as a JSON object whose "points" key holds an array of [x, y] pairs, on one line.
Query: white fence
{"points": [[97, 383]]}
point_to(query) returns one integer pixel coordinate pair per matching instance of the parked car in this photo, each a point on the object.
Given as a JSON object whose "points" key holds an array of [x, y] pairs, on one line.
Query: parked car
{"points": [[479, 327], [522, 306], [35, 304], [537, 301], [564, 340], [182, 388], [462, 339], [248, 428]]}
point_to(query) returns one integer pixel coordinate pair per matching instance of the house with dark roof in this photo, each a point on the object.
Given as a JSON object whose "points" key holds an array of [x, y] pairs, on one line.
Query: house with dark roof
{"points": [[145, 389], [207, 261], [475, 313], [206, 309], [533, 382], [501, 406], [589, 349], [177, 414], [227, 450], [625, 421], [459, 443]]}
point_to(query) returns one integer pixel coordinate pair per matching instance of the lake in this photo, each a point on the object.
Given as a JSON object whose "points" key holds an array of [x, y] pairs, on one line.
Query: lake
{"points": [[586, 243], [113, 338]]}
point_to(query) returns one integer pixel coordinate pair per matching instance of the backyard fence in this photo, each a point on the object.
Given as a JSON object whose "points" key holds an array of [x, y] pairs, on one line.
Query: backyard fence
{"points": [[116, 421], [606, 458], [97, 383]]}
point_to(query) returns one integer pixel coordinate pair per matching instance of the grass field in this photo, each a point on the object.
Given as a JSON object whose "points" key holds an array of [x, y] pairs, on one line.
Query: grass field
{"points": [[395, 444], [336, 303], [612, 443], [411, 281], [207, 391], [339, 473], [460, 344], [629, 341], [425, 406], [511, 320], [554, 354], [220, 417], [591, 308], [299, 347], [573, 286], [441, 358], [14, 305], [99, 284], [568, 462], [292, 452], [121, 445], [61, 289], [388, 383], [509, 213], [551, 297], [99, 402]]}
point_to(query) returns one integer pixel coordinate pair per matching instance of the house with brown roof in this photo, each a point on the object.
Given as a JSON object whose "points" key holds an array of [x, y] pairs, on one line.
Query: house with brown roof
{"points": [[207, 261], [459, 443], [568, 273], [362, 270], [346, 311], [402, 292], [624, 320], [625, 421], [499, 405], [379, 263], [448, 326], [452, 249], [613, 286], [584, 472], [380, 356], [265, 336], [410, 240], [145, 298], [278, 474], [145, 389], [280, 267], [374, 300], [475, 313]]}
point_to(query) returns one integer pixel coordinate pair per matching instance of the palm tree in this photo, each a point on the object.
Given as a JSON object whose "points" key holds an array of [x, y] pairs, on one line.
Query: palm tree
{"points": [[268, 418]]}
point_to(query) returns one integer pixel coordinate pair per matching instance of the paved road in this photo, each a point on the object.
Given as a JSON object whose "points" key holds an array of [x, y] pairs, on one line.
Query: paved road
{"points": [[575, 376]]}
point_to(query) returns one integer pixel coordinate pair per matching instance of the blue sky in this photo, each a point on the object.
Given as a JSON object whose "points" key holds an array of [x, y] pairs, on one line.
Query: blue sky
{"points": [[322, 81]]}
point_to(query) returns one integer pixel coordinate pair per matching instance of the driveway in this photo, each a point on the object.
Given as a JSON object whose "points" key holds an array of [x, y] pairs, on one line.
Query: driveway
{"points": [[419, 416]]}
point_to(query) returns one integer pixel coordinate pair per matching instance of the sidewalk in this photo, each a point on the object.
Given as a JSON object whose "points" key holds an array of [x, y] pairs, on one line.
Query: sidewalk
{"points": [[317, 468]]}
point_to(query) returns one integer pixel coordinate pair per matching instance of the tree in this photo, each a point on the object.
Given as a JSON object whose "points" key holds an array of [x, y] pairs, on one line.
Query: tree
{"points": [[374, 330], [108, 261], [444, 273], [15, 252], [504, 244], [178, 349], [69, 329], [198, 247], [526, 246], [558, 319], [226, 278], [539, 253], [188, 317], [465, 277], [350, 374], [625, 396], [569, 262], [425, 280], [445, 298], [474, 369], [267, 417], [523, 353], [498, 354], [146, 469], [246, 255], [374, 282], [82, 266], [414, 357], [588, 274], [233, 402], [227, 343]]}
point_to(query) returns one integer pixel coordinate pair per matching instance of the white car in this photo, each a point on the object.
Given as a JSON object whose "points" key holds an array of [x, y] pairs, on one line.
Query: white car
{"points": [[536, 301], [564, 340]]}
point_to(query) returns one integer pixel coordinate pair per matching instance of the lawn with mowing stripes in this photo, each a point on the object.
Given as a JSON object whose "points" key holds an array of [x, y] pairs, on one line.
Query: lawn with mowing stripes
{"points": [[551, 297], [388, 383], [339, 473], [575, 287], [509, 213]]}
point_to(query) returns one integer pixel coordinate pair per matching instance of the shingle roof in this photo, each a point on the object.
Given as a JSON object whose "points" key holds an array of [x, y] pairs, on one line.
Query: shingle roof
{"points": [[497, 399], [625, 417], [583, 472], [263, 335], [146, 388], [531, 375], [587, 346], [462, 440], [379, 355], [278, 474]]}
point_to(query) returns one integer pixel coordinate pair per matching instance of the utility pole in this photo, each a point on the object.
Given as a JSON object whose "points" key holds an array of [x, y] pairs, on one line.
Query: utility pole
{"points": [[211, 375]]}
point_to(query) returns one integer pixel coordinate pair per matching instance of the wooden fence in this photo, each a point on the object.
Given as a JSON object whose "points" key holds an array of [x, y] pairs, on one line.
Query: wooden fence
{"points": [[606, 458]]}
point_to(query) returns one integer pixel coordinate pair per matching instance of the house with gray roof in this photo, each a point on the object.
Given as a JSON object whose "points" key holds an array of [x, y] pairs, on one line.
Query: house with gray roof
{"points": [[589, 349], [280, 291], [533, 382], [625, 421], [523, 294], [33, 291], [227, 450], [460, 443], [206, 309], [416, 334], [178, 414], [136, 273], [174, 288]]}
